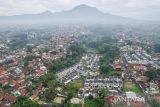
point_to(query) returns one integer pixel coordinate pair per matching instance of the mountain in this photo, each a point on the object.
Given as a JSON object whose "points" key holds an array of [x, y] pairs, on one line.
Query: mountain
{"points": [[81, 13]]}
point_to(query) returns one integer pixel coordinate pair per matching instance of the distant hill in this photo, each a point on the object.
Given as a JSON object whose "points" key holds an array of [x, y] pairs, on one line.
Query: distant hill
{"points": [[84, 11], [81, 13]]}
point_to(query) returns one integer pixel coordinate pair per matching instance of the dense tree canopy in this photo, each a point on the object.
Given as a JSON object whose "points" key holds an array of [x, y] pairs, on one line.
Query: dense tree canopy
{"points": [[157, 48], [106, 47], [155, 103], [153, 74], [76, 51], [50, 94], [25, 102]]}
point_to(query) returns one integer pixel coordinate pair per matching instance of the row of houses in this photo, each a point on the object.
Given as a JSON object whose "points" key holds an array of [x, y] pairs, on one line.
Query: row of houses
{"points": [[137, 55], [93, 85], [88, 64]]}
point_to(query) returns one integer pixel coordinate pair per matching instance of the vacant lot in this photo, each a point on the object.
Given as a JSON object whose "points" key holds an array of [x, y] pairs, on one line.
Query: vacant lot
{"points": [[130, 86]]}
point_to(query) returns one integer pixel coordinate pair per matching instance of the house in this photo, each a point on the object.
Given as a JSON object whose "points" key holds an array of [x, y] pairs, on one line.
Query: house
{"points": [[9, 97], [34, 97], [99, 83], [140, 67], [16, 93], [153, 88], [117, 67], [142, 78], [75, 101], [59, 100], [3, 72], [1, 94], [13, 83]]}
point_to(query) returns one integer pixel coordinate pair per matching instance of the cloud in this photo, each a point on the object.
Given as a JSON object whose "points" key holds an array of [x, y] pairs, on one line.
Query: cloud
{"points": [[141, 9]]}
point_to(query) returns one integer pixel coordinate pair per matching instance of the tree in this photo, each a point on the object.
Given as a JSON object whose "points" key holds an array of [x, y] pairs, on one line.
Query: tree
{"points": [[157, 48], [50, 94], [105, 68], [69, 97], [29, 48], [76, 49], [25, 102], [90, 97], [151, 74], [104, 48], [48, 77], [155, 103], [52, 83]]}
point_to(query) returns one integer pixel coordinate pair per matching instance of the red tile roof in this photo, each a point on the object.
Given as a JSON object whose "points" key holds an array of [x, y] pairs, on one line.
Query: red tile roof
{"points": [[3, 72], [118, 66], [9, 97]]}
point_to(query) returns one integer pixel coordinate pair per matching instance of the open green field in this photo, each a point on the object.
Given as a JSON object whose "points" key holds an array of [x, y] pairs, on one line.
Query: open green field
{"points": [[133, 88], [94, 102], [73, 88]]}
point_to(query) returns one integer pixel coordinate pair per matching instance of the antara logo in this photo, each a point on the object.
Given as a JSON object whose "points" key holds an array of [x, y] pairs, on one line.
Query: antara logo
{"points": [[110, 99], [113, 99]]}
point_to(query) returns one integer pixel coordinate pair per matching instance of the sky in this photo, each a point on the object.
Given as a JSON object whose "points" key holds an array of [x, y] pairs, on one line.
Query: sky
{"points": [[138, 9]]}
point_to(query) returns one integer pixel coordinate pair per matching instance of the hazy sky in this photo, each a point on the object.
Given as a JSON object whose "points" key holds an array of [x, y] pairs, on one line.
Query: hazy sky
{"points": [[140, 9]]}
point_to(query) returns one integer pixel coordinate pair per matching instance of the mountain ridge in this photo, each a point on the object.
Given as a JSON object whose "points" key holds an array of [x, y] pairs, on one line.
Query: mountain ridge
{"points": [[79, 13]]}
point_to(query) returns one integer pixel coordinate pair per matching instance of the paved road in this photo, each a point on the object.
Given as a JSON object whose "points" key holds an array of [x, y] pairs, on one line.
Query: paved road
{"points": [[83, 97]]}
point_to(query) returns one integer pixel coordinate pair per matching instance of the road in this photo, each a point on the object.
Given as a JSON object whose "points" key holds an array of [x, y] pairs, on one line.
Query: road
{"points": [[83, 97]]}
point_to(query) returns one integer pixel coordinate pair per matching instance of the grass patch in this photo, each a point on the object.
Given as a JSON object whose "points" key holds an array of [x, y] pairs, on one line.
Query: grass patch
{"points": [[97, 102], [75, 105], [73, 88], [78, 84], [112, 73], [134, 88]]}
